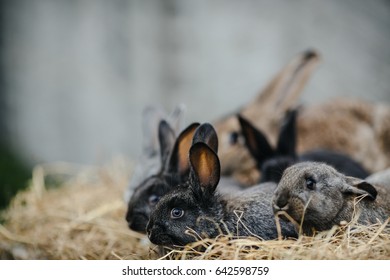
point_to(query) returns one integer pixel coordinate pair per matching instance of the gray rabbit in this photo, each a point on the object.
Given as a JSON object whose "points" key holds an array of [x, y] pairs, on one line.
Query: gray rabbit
{"points": [[195, 209], [318, 197]]}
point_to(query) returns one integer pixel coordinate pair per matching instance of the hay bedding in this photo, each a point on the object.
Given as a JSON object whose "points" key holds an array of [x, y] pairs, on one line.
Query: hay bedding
{"points": [[83, 218]]}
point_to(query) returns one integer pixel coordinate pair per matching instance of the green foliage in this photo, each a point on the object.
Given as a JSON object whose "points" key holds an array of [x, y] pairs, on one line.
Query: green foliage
{"points": [[14, 176]]}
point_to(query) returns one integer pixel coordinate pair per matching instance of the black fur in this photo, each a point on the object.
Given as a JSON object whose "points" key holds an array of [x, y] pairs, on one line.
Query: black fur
{"points": [[147, 194], [172, 173], [272, 162]]}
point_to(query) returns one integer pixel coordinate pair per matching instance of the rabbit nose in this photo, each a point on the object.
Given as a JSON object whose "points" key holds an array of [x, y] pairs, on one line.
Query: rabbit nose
{"points": [[281, 202]]}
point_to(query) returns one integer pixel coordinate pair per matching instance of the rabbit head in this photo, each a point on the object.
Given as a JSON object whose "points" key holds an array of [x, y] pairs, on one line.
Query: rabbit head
{"points": [[317, 196], [271, 162], [185, 209], [174, 169], [266, 111]]}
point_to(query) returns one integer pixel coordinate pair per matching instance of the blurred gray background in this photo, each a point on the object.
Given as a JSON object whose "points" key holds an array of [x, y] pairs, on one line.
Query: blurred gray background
{"points": [[75, 75]]}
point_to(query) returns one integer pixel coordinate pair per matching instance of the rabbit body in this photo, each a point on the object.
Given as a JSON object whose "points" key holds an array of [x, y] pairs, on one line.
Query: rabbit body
{"points": [[340, 161], [355, 127], [381, 178], [273, 161], [195, 209], [319, 197]]}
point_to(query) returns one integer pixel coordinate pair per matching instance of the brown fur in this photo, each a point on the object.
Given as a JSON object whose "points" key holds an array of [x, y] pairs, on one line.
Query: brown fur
{"points": [[352, 126], [356, 127]]}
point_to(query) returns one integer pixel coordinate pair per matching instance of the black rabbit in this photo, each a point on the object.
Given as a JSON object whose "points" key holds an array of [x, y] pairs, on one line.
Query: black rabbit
{"points": [[195, 209], [149, 161], [174, 170], [272, 162]]}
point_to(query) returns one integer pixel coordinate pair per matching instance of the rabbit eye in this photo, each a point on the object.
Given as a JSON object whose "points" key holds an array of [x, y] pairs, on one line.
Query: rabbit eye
{"points": [[233, 138], [153, 199], [177, 213], [310, 183]]}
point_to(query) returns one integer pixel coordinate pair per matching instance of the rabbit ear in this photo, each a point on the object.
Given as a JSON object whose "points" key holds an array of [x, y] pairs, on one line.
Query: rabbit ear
{"points": [[359, 187], [205, 168], [285, 88], [166, 137], [178, 162], [287, 137], [151, 117], [255, 141], [206, 134], [176, 118]]}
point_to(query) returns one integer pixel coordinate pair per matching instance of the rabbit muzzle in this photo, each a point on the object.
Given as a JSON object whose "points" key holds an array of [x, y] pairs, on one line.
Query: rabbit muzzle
{"points": [[137, 221], [277, 208], [157, 235], [280, 203]]}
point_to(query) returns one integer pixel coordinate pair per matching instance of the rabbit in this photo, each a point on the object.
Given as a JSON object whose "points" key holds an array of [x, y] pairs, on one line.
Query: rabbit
{"points": [[265, 111], [196, 209], [149, 161], [271, 162], [174, 170], [318, 197], [355, 127]]}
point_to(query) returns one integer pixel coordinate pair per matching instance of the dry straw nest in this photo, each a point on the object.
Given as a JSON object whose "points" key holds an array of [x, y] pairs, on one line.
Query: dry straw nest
{"points": [[83, 218]]}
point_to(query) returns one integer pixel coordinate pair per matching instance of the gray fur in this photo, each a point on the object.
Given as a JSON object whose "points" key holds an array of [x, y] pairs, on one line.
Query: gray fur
{"points": [[334, 198], [380, 178]]}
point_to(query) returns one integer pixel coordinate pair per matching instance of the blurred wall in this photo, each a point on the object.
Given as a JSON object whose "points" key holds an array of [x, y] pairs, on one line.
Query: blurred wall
{"points": [[77, 74]]}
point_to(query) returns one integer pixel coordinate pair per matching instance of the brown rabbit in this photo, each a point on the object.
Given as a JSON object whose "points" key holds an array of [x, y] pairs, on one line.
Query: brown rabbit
{"points": [[355, 127]]}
